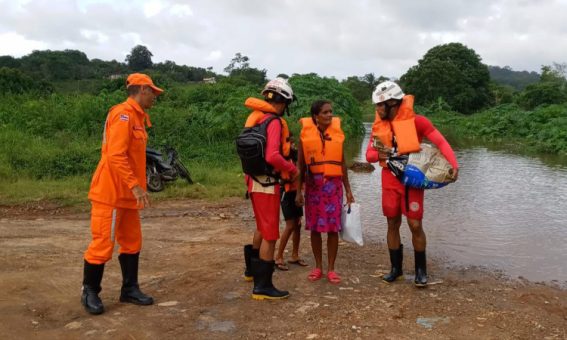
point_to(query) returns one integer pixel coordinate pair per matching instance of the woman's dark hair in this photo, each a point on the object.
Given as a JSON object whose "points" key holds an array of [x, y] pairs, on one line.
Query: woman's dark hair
{"points": [[317, 106]]}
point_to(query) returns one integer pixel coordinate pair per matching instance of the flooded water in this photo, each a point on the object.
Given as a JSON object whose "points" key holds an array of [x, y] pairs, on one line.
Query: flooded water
{"points": [[506, 212]]}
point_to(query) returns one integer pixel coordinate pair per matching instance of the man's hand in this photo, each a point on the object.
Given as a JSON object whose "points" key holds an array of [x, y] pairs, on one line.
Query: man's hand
{"points": [[454, 174], [383, 156], [142, 197], [384, 152]]}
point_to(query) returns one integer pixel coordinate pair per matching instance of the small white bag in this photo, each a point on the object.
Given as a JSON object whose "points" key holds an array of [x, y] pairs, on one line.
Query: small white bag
{"points": [[352, 228]]}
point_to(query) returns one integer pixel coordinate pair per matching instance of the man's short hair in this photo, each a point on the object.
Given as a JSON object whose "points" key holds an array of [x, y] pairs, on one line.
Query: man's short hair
{"points": [[134, 89]]}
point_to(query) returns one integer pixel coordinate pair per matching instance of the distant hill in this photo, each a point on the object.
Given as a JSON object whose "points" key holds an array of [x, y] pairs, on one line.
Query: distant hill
{"points": [[517, 79]]}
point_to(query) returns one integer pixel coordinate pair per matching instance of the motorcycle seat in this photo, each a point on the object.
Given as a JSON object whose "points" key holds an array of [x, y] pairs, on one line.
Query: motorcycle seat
{"points": [[153, 152]]}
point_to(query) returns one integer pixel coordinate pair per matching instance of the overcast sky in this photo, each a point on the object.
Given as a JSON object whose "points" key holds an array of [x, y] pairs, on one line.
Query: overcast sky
{"points": [[329, 37]]}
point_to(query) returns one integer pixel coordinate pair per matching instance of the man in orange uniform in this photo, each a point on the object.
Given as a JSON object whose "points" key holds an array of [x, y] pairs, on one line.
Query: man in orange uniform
{"points": [[118, 191]]}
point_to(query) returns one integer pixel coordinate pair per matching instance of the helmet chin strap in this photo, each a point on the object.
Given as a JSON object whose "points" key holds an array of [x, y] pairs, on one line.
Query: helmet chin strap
{"points": [[287, 104]]}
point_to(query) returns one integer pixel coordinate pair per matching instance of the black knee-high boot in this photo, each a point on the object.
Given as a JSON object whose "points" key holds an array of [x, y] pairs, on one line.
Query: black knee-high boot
{"points": [[396, 259], [130, 291], [420, 269], [92, 277], [263, 286], [249, 253]]}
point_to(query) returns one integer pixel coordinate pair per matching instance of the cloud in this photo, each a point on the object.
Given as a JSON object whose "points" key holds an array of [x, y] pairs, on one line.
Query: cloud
{"points": [[214, 55], [153, 8], [19, 45], [329, 37], [95, 36]]}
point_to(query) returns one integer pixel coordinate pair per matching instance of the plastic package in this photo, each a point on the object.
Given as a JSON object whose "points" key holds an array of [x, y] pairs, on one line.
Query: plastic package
{"points": [[352, 226]]}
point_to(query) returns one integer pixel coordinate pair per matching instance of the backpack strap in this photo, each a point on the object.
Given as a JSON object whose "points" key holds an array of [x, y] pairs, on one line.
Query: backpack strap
{"points": [[264, 125], [269, 184], [269, 120]]}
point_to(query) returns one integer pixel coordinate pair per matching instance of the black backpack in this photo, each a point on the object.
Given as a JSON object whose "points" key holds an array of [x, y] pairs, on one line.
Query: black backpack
{"points": [[251, 147]]}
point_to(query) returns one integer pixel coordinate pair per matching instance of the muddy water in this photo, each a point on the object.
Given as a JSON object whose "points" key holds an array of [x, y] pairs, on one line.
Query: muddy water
{"points": [[507, 212]]}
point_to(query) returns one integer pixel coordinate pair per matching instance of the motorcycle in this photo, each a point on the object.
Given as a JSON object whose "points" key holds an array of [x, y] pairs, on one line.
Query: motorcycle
{"points": [[160, 170]]}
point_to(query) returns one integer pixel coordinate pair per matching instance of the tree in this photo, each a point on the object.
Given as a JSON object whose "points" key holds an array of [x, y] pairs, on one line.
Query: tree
{"points": [[502, 94], [359, 88], [453, 72], [9, 61], [238, 62], [104, 69], [551, 89], [556, 72], [362, 87], [140, 58], [56, 65], [14, 81], [250, 74], [517, 79], [239, 69]]}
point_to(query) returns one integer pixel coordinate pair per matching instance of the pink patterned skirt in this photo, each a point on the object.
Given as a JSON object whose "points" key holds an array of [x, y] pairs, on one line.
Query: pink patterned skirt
{"points": [[323, 203]]}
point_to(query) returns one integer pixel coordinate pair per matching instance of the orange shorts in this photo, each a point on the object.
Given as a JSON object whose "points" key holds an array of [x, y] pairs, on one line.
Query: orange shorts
{"points": [[267, 214], [394, 200], [109, 225]]}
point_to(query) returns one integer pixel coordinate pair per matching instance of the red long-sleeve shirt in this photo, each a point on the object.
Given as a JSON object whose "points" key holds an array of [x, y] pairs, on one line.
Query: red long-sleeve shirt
{"points": [[273, 147], [426, 129]]}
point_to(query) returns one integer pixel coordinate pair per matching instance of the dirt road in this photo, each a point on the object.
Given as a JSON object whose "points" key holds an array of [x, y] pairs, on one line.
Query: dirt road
{"points": [[192, 265]]}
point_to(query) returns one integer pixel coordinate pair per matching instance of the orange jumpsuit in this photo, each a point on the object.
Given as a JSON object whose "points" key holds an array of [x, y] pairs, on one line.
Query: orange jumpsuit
{"points": [[122, 166]]}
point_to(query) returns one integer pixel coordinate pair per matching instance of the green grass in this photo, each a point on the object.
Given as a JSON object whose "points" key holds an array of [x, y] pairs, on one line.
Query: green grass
{"points": [[50, 145], [209, 183], [68, 191], [542, 130]]}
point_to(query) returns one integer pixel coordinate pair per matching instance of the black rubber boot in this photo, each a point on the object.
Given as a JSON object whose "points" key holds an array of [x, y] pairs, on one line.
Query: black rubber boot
{"points": [[249, 253], [263, 286], [420, 269], [130, 291], [92, 277], [396, 259]]}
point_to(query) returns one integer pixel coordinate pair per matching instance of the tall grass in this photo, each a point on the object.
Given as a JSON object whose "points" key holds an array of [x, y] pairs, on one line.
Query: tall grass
{"points": [[50, 145], [543, 129]]}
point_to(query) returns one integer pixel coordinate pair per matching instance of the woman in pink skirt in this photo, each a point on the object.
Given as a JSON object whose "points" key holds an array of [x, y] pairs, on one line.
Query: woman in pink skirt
{"points": [[322, 168]]}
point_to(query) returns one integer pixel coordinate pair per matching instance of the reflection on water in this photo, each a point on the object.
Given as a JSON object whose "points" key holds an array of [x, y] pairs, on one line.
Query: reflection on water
{"points": [[506, 212]]}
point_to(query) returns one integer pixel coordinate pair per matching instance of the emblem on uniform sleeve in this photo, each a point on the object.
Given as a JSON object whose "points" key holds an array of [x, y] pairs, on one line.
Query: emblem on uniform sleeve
{"points": [[124, 118]]}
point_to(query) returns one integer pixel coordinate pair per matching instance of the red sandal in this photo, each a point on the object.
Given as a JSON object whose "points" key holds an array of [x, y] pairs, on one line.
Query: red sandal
{"points": [[315, 275], [333, 278]]}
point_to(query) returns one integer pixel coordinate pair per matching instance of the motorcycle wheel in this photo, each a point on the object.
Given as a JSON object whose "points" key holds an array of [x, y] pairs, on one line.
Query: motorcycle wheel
{"points": [[153, 179], [183, 172]]}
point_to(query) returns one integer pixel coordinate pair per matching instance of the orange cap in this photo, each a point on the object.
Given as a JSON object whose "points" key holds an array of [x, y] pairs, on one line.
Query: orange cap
{"points": [[142, 79]]}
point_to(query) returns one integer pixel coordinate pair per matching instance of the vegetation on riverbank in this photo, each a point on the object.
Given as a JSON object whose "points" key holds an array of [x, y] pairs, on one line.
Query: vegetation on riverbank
{"points": [[54, 103], [50, 143], [541, 130]]}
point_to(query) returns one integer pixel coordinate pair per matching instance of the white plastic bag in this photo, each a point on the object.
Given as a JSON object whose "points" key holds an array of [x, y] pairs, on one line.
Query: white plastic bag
{"points": [[352, 228]]}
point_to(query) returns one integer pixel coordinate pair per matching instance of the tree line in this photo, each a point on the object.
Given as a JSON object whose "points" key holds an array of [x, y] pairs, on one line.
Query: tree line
{"points": [[450, 75]]}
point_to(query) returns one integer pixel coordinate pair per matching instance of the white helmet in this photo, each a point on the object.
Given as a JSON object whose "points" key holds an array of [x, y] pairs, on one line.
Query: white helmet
{"points": [[278, 86], [387, 90]]}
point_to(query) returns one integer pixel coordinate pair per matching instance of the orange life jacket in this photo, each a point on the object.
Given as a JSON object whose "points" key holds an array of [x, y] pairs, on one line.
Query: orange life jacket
{"points": [[260, 108], [402, 127], [323, 156]]}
